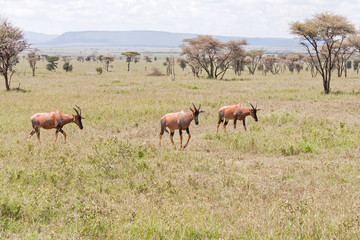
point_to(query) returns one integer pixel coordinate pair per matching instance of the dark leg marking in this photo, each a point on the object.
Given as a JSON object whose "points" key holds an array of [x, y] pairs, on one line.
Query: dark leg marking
{"points": [[221, 119], [180, 132], [172, 139], [188, 132]]}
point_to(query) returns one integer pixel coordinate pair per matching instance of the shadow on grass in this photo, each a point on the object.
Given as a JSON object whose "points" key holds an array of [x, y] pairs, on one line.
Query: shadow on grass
{"points": [[21, 90], [339, 92], [234, 79]]}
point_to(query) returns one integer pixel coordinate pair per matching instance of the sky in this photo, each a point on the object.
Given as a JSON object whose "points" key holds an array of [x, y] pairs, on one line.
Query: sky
{"points": [[241, 18]]}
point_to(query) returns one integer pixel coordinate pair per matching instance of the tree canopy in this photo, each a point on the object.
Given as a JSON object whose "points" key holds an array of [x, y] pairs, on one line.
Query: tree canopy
{"points": [[12, 42], [212, 55], [322, 36], [130, 56]]}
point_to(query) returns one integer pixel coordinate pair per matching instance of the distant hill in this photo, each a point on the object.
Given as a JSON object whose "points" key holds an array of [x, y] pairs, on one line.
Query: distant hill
{"points": [[36, 38], [155, 39]]}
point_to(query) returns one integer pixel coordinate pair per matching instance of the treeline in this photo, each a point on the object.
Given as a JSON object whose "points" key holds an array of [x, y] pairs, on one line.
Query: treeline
{"points": [[220, 61]]}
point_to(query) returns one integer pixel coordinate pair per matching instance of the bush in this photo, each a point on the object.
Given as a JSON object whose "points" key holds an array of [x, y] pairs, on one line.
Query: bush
{"points": [[99, 70], [67, 67], [156, 72], [52, 65]]}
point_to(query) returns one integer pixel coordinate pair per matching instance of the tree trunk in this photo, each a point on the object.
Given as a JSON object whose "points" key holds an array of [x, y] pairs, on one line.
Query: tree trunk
{"points": [[345, 70], [326, 83], [211, 75], [7, 84], [128, 66]]}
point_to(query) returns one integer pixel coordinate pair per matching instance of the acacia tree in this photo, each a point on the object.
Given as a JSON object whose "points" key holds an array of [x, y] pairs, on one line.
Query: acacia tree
{"points": [[32, 59], [345, 52], [12, 42], [272, 64], [253, 59], [106, 61], [319, 35], [52, 65], [290, 60], [238, 62], [355, 42], [212, 55], [130, 56]]}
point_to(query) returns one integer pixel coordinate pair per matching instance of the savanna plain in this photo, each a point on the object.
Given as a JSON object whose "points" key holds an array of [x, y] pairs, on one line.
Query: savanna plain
{"points": [[294, 174]]}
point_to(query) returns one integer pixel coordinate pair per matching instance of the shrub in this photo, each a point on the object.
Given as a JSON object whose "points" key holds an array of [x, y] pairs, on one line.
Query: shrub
{"points": [[52, 65], [99, 70], [156, 72], [67, 67]]}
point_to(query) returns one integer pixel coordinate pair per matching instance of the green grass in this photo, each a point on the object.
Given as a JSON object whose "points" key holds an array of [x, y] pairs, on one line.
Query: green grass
{"points": [[293, 174]]}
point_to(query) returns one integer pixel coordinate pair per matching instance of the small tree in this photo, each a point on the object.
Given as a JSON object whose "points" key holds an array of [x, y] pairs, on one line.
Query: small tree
{"points": [[348, 64], [272, 64], [344, 54], [170, 70], [99, 70], [80, 59], [106, 62], [253, 59], [211, 54], [67, 67], [12, 42], [52, 65], [182, 63], [356, 65], [130, 56], [32, 59], [323, 37], [147, 59]]}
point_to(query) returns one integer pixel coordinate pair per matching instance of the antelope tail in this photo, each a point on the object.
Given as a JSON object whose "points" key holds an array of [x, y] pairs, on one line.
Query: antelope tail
{"points": [[163, 126]]}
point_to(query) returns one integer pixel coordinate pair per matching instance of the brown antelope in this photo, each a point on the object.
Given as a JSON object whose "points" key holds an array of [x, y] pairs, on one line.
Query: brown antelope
{"points": [[180, 120], [54, 119], [236, 112]]}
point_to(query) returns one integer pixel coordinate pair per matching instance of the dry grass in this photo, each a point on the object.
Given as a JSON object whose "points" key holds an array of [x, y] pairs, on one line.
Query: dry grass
{"points": [[294, 174]]}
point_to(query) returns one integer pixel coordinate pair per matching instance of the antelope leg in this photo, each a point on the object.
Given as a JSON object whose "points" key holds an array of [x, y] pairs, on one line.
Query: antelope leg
{"points": [[188, 132]]}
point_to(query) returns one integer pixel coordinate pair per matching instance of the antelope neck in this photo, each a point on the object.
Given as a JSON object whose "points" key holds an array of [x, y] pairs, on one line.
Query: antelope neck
{"points": [[191, 115], [68, 118]]}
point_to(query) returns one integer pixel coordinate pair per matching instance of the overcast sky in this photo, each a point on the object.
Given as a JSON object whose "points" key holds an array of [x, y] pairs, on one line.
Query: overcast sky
{"points": [[243, 18]]}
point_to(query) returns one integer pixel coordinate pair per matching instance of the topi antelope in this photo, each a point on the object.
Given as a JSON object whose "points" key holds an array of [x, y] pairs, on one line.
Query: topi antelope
{"points": [[236, 112], [180, 120], [54, 119]]}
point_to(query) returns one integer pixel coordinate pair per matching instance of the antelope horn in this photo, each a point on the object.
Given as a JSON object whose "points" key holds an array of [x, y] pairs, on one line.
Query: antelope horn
{"points": [[194, 106], [199, 106], [255, 105], [78, 108], [76, 111], [251, 105]]}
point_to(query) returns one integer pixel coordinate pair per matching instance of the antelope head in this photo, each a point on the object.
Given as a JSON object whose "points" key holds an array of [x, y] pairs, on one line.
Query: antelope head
{"points": [[78, 117], [196, 112], [253, 111]]}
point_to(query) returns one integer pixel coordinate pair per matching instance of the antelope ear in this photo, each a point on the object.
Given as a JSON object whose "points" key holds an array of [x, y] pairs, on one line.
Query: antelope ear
{"points": [[202, 111], [258, 109], [191, 110]]}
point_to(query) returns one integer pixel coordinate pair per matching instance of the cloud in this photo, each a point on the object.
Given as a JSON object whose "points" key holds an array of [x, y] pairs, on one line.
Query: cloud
{"points": [[256, 18]]}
